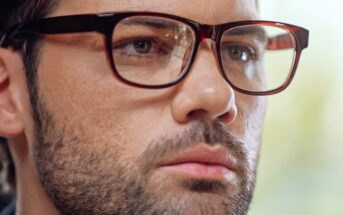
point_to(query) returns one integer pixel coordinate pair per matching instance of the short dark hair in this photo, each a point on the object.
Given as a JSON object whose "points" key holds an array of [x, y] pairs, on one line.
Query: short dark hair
{"points": [[13, 12]]}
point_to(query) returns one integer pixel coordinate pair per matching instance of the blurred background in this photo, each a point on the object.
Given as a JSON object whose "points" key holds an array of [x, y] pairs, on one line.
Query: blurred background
{"points": [[301, 169]]}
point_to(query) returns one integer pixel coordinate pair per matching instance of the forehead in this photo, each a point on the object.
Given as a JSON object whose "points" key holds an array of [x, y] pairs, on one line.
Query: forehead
{"points": [[204, 11]]}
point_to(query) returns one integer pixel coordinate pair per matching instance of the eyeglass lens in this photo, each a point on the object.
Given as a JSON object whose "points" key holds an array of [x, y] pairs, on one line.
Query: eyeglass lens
{"points": [[257, 57], [152, 51]]}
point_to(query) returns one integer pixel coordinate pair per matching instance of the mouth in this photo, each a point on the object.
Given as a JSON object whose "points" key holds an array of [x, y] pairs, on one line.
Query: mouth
{"points": [[202, 162]]}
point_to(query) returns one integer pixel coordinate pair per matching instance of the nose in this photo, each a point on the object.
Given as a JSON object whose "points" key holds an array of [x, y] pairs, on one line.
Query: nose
{"points": [[204, 93]]}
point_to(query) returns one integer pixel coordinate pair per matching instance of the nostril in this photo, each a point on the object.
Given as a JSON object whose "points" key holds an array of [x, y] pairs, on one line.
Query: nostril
{"points": [[197, 114], [228, 117]]}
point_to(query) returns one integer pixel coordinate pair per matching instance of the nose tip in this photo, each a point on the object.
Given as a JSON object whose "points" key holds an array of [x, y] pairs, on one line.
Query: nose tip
{"points": [[209, 105]]}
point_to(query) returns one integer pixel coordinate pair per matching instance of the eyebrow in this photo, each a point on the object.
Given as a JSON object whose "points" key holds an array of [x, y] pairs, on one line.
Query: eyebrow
{"points": [[258, 32]]}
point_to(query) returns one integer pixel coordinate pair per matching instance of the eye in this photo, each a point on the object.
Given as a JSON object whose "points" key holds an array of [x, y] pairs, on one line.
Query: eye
{"points": [[142, 46], [240, 53]]}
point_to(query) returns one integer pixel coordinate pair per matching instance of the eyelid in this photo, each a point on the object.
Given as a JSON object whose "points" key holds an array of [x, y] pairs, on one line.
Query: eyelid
{"points": [[125, 41], [154, 39]]}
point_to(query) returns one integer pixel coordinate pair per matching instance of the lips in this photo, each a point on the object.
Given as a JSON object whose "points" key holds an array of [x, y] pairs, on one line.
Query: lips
{"points": [[203, 161]]}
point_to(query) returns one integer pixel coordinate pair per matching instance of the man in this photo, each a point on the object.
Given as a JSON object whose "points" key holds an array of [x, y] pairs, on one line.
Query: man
{"points": [[138, 107]]}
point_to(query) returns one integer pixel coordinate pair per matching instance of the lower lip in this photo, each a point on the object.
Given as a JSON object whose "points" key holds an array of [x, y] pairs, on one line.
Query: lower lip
{"points": [[199, 170]]}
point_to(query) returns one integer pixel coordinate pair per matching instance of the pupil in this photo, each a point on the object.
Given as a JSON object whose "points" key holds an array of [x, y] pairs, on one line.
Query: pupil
{"points": [[239, 55], [142, 46]]}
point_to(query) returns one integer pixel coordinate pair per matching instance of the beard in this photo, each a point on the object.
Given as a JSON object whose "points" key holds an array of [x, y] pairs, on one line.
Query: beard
{"points": [[82, 177]]}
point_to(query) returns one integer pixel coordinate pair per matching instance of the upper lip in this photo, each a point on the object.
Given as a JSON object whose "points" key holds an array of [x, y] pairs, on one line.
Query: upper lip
{"points": [[204, 154]]}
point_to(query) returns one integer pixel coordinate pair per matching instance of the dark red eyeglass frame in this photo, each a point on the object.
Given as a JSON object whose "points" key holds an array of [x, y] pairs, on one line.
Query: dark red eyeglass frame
{"points": [[105, 23]]}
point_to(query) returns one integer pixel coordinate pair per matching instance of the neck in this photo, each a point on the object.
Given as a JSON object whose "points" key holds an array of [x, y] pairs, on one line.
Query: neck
{"points": [[31, 198]]}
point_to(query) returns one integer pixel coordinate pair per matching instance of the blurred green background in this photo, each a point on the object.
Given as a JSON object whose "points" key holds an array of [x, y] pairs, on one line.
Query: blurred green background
{"points": [[300, 170]]}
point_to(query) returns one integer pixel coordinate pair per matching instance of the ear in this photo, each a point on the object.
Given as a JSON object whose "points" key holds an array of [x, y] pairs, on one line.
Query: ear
{"points": [[11, 71]]}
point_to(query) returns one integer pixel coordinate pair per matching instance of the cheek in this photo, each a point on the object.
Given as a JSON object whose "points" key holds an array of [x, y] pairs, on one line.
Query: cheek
{"points": [[250, 120], [77, 83], [78, 87]]}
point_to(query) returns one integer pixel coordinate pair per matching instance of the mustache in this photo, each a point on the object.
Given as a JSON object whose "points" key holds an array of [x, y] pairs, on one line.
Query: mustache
{"points": [[199, 133]]}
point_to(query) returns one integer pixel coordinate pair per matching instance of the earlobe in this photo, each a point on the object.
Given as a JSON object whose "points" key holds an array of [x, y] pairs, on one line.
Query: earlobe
{"points": [[10, 120]]}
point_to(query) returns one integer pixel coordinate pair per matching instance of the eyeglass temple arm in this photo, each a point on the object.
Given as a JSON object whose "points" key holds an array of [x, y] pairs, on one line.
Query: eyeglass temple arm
{"points": [[280, 42], [285, 41], [57, 25], [303, 35], [60, 25]]}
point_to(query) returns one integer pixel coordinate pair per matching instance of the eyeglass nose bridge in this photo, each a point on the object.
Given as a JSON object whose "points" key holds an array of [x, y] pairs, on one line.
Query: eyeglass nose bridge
{"points": [[208, 32], [209, 35]]}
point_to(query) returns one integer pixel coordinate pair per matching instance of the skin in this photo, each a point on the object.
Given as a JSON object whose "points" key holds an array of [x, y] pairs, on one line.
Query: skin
{"points": [[118, 123]]}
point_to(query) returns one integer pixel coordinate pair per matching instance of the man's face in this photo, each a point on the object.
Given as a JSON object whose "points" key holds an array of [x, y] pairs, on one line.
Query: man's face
{"points": [[104, 147]]}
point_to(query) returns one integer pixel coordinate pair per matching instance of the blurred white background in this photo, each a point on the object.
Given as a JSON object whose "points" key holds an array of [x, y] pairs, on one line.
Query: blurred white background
{"points": [[300, 170]]}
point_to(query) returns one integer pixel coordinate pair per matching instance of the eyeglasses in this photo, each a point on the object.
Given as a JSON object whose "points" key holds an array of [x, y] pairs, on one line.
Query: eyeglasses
{"points": [[154, 50]]}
